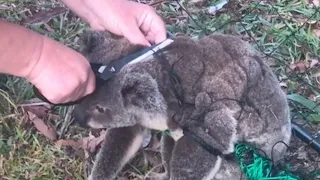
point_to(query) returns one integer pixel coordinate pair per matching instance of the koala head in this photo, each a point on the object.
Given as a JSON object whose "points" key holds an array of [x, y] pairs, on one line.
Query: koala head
{"points": [[125, 100], [130, 97], [103, 46]]}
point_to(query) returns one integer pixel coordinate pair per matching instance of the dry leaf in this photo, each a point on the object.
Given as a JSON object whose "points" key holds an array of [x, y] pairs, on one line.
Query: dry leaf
{"points": [[313, 62], [42, 112], [316, 32], [299, 66], [39, 111], [44, 16], [88, 143], [302, 66], [46, 129], [72, 143]]}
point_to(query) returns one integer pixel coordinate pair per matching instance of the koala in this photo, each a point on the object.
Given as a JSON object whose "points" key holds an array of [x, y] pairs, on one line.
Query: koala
{"points": [[217, 88]]}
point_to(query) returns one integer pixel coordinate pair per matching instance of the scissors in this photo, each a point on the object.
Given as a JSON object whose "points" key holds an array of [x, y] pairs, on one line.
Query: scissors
{"points": [[104, 72]]}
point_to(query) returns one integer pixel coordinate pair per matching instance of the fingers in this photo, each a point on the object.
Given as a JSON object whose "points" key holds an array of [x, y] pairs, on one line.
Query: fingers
{"points": [[157, 27], [152, 25], [134, 34]]}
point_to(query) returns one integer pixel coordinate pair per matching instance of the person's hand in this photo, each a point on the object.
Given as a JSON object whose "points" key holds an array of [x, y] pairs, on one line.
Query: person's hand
{"points": [[139, 23], [61, 74]]}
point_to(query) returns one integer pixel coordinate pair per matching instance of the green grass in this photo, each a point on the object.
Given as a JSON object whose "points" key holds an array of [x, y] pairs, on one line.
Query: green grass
{"points": [[26, 154]]}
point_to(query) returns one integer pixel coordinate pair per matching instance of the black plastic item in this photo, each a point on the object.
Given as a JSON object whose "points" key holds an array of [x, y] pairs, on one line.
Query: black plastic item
{"points": [[306, 137], [115, 66], [38, 94]]}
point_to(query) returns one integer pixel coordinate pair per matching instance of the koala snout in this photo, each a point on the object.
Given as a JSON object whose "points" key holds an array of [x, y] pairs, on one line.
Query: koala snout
{"points": [[81, 117]]}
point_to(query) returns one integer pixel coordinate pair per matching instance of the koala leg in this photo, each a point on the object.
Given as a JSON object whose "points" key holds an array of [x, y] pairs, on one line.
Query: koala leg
{"points": [[167, 145], [190, 161], [119, 147], [218, 130], [230, 170]]}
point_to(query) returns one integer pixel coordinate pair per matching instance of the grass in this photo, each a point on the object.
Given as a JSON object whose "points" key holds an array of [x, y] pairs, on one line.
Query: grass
{"points": [[281, 29]]}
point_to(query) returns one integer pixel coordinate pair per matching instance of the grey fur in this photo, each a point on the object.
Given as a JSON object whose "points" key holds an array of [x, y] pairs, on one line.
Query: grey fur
{"points": [[227, 95]]}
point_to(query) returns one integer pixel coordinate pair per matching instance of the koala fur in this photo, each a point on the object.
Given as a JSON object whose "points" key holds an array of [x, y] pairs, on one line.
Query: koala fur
{"points": [[217, 87]]}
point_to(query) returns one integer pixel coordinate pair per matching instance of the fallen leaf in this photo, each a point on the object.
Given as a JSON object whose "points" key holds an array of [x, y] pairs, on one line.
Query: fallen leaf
{"points": [[302, 66], [46, 129], [44, 16], [299, 66], [39, 111], [313, 62], [42, 112], [316, 32], [71, 143], [88, 143]]}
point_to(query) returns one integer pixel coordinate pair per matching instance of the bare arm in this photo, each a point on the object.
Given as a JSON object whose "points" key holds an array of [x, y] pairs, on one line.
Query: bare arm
{"points": [[20, 49], [59, 72], [139, 23]]}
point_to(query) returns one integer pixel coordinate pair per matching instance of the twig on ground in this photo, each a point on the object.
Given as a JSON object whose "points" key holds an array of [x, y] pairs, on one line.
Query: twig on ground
{"points": [[67, 121]]}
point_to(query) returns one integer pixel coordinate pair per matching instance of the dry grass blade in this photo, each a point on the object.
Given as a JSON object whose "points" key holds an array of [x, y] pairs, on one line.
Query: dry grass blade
{"points": [[67, 121]]}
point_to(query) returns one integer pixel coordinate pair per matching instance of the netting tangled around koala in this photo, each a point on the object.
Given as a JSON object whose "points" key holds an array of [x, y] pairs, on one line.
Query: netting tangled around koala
{"points": [[258, 167], [259, 23]]}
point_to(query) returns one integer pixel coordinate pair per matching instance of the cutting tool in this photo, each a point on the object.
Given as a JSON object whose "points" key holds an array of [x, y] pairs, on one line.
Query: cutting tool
{"points": [[104, 72]]}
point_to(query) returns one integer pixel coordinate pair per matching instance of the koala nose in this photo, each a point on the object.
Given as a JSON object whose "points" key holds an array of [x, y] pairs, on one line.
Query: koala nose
{"points": [[81, 117]]}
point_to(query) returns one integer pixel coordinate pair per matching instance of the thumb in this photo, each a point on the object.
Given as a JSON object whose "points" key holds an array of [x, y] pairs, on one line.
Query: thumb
{"points": [[134, 35]]}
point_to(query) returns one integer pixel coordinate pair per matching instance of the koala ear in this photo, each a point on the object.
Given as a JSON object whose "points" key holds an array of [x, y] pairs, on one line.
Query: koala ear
{"points": [[103, 46], [141, 91]]}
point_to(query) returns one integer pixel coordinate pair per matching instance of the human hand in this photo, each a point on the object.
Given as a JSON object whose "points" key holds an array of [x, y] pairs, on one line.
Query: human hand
{"points": [[61, 74], [139, 23]]}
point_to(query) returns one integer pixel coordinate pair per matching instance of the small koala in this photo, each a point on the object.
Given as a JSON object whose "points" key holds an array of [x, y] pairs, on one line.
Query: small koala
{"points": [[217, 88]]}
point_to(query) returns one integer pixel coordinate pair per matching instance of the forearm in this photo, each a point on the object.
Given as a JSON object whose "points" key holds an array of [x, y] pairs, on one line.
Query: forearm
{"points": [[20, 49]]}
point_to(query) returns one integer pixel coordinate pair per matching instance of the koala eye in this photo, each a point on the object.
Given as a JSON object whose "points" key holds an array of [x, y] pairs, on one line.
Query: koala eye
{"points": [[100, 109]]}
